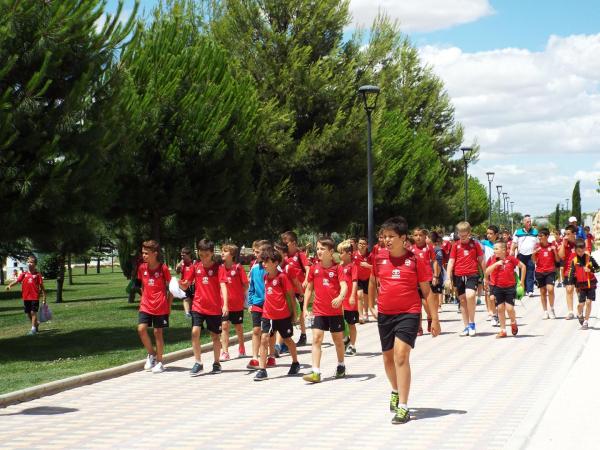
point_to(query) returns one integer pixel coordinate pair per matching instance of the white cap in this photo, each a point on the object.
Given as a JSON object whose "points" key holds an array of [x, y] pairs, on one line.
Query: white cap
{"points": [[175, 289], [572, 219], [446, 238]]}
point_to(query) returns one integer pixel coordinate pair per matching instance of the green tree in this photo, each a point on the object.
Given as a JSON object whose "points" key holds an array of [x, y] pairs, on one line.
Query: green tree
{"points": [[557, 217], [477, 202], [576, 202]]}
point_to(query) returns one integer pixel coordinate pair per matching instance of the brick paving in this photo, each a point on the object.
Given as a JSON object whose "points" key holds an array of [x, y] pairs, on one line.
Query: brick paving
{"points": [[467, 393]]}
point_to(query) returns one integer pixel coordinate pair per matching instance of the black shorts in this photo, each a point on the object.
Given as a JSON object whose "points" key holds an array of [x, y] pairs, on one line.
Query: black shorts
{"points": [[568, 282], [213, 322], [505, 295], [438, 288], [282, 326], [402, 326], [587, 294], [462, 283], [30, 306], [256, 318], [559, 264], [363, 285], [154, 321], [189, 292], [235, 317], [545, 278], [492, 290], [351, 317], [334, 324]]}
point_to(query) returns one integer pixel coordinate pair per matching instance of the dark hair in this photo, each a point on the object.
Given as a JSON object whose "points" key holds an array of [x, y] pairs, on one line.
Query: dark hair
{"points": [[362, 238], [571, 228], [269, 254], [326, 242], [434, 236], [397, 224], [494, 228], [281, 247], [186, 250], [151, 245], [544, 232], [206, 245], [579, 243], [289, 236], [32, 256]]}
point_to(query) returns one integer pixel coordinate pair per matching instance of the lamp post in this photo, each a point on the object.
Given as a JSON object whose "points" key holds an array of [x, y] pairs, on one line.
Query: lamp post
{"points": [[490, 176], [505, 196], [466, 151], [500, 212], [567, 199], [512, 217], [369, 96]]}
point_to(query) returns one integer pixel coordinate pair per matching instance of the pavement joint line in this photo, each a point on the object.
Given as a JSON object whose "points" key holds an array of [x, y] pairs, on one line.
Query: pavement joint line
{"points": [[54, 387]]}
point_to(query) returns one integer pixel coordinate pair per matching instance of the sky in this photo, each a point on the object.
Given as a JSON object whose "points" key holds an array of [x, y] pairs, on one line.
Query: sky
{"points": [[524, 78]]}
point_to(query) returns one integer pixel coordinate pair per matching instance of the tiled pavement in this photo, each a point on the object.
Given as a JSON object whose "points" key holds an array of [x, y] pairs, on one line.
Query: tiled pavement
{"points": [[467, 393]]}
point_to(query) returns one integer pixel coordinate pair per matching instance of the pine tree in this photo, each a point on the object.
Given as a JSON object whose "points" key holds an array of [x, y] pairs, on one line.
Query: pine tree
{"points": [[557, 217], [576, 202]]}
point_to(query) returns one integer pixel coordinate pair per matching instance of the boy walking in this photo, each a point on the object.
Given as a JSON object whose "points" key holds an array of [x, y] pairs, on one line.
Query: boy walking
{"points": [[349, 274], [581, 274], [545, 257], [566, 252], [32, 285]]}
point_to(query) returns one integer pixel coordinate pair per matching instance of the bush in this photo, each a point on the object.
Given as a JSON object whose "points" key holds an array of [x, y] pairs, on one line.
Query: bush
{"points": [[49, 266]]}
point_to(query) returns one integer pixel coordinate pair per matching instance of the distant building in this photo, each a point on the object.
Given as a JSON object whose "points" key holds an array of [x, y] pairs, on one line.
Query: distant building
{"points": [[12, 265]]}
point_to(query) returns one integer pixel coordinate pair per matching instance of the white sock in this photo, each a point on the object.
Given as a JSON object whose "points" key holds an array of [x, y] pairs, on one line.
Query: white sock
{"points": [[32, 328], [316, 370], [403, 406], [341, 364]]}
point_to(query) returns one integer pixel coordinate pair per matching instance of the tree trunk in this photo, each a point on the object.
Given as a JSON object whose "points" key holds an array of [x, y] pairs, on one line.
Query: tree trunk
{"points": [[156, 225], [70, 268], [98, 264], [2, 261], [60, 279], [85, 264]]}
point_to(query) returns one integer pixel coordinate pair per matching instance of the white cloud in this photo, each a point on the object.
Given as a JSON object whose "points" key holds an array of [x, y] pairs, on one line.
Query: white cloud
{"points": [[526, 108], [421, 15]]}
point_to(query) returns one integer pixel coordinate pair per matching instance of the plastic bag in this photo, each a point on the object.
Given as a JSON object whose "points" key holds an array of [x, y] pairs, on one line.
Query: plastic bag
{"points": [[45, 314]]}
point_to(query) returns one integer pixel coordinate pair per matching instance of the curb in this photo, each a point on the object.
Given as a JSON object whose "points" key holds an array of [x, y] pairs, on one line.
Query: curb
{"points": [[54, 387]]}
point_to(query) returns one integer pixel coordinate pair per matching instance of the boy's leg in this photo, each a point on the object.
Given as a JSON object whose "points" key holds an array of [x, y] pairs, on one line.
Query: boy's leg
{"points": [[544, 297], [510, 309], [390, 368], [293, 350], [272, 345], [225, 335], [361, 304], [463, 309], [580, 305], [264, 349], [570, 289], [256, 342], [338, 341], [160, 343], [196, 343], [239, 332], [401, 354], [143, 333], [502, 316], [317, 340], [353, 334], [216, 339], [186, 306], [302, 318], [588, 309], [471, 299], [550, 294]]}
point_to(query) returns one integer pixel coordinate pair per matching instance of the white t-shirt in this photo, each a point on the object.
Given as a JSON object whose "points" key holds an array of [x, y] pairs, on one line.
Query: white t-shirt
{"points": [[525, 244]]}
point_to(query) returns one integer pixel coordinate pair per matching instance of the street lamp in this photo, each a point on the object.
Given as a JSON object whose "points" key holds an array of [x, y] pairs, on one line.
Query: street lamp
{"points": [[466, 151], [567, 199], [505, 206], [490, 176], [369, 96], [499, 189]]}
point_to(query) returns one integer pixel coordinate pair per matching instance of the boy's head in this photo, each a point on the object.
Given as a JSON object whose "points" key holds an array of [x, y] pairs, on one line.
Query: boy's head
{"points": [[492, 233], [420, 236], [363, 245], [543, 235], [150, 251], [257, 246], [500, 249], [325, 247], [270, 259], [506, 235], [186, 254], [434, 237], [587, 229], [464, 231], [229, 252], [380, 237], [291, 239], [394, 232], [570, 233], [31, 262], [579, 247], [206, 250], [354, 243], [345, 251], [281, 248]]}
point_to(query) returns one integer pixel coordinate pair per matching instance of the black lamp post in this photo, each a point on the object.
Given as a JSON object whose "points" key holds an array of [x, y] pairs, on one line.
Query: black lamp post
{"points": [[466, 152], [512, 217], [505, 196], [500, 212], [369, 96], [490, 176]]}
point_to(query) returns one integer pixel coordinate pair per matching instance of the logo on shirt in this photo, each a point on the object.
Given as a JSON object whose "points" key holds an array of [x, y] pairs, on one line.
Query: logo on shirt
{"points": [[269, 290], [145, 273], [204, 280], [316, 271], [331, 274], [274, 282], [156, 274], [151, 282], [407, 263], [396, 274], [325, 282], [466, 252], [233, 273], [210, 272]]}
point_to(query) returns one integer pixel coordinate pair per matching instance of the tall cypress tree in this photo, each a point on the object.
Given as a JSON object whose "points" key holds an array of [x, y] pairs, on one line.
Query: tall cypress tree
{"points": [[557, 217], [576, 202]]}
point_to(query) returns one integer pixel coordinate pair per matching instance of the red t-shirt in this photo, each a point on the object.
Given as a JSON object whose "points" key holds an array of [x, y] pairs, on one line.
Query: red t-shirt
{"points": [[489, 262], [299, 262], [31, 285], [349, 274], [276, 306], [427, 254], [545, 259], [504, 276], [569, 256], [364, 273], [326, 283], [154, 289], [236, 280], [466, 257], [589, 242], [398, 279], [446, 249], [207, 296]]}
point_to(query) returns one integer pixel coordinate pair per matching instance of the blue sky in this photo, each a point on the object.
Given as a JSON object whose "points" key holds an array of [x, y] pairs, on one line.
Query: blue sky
{"points": [[524, 78]]}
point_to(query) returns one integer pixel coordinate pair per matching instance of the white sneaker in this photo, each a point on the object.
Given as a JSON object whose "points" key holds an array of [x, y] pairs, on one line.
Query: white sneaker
{"points": [[489, 318], [531, 294], [552, 315], [150, 362], [158, 368], [472, 332], [546, 315], [464, 332]]}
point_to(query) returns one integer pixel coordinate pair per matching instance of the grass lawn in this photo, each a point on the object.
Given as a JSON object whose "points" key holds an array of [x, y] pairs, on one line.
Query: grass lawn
{"points": [[94, 328]]}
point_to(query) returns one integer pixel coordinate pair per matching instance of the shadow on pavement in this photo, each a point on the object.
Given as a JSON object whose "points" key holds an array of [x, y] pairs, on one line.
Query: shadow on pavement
{"points": [[432, 413], [360, 376], [43, 411]]}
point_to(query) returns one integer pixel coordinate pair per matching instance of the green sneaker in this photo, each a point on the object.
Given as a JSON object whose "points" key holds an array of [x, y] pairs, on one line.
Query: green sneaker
{"points": [[394, 402], [312, 377], [340, 372], [402, 416]]}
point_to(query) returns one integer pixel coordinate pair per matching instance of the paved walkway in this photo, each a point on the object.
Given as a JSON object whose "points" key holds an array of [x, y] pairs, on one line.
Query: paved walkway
{"points": [[467, 393]]}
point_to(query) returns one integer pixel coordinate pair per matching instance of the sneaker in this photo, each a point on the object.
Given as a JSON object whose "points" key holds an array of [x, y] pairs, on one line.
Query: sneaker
{"points": [[546, 315], [402, 416], [31, 333], [253, 364], [271, 362], [584, 325], [188, 315], [429, 321], [580, 319], [501, 334], [530, 294], [514, 328], [312, 377], [361, 320], [559, 284], [478, 301], [301, 340], [241, 351], [340, 372], [350, 350], [294, 368], [472, 332], [224, 356], [495, 321], [261, 375], [277, 351], [552, 314], [216, 369], [150, 362], [464, 332], [489, 318], [196, 369], [284, 349], [393, 402], [158, 368], [570, 316]]}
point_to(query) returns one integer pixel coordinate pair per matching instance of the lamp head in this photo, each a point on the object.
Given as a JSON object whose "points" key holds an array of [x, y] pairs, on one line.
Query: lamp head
{"points": [[369, 94], [490, 176], [499, 189]]}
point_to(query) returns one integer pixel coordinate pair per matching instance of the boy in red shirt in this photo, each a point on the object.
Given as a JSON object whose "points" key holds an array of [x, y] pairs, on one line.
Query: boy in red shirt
{"points": [[581, 275], [426, 253], [301, 265], [361, 260], [545, 257], [324, 278], [33, 284], [155, 304], [278, 312], [466, 259], [566, 252], [186, 265], [397, 275], [209, 306], [349, 274], [501, 271], [589, 240], [235, 278]]}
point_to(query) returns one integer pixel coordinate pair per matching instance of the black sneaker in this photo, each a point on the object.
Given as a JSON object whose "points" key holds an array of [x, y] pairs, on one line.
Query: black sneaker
{"points": [[301, 340], [340, 372], [216, 368], [196, 369], [402, 416], [261, 375], [294, 368], [580, 319]]}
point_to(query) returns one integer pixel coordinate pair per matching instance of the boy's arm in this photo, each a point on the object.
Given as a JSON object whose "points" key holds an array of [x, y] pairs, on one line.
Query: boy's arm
{"points": [[352, 298], [336, 302], [372, 289], [289, 296], [307, 296], [450, 271], [11, 284], [523, 268], [481, 263], [43, 289], [595, 268], [561, 250], [225, 299]]}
